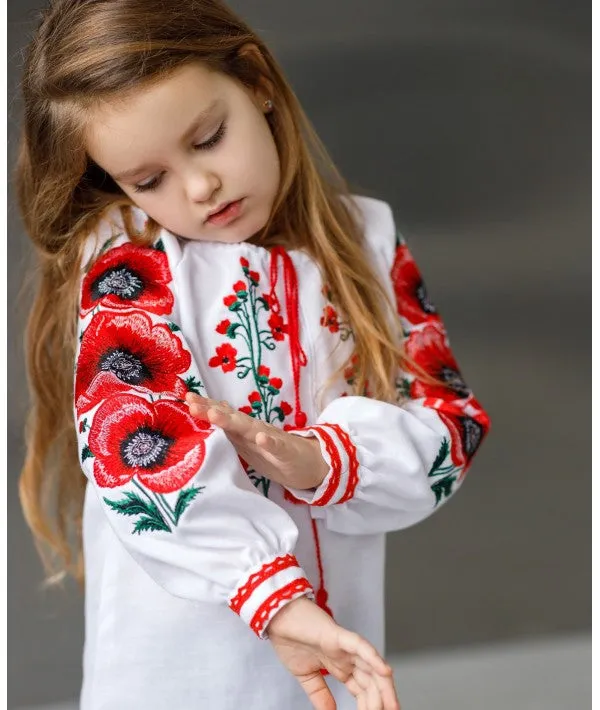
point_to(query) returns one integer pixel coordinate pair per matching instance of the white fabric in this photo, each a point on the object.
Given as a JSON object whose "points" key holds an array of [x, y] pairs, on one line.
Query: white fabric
{"points": [[159, 633]]}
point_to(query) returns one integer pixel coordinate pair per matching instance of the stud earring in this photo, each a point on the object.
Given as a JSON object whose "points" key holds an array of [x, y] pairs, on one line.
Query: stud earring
{"points": [[268, 104]]}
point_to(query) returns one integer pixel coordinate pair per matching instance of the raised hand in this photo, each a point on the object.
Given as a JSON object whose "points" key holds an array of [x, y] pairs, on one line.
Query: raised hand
{"points": [[292, 461]]}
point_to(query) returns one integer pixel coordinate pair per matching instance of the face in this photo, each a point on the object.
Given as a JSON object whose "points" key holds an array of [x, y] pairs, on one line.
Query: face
{"points": [[187, 147]]}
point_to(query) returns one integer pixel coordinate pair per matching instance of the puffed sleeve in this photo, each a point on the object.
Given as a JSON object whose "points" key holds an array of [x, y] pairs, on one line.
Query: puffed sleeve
{"points": [[392, 465], [172, 486]]}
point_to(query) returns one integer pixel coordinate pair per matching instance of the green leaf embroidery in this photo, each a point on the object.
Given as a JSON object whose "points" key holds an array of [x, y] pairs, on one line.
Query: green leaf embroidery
{"points": [[403, 387], [173, 327], [108, 243], [440, 458], [264, 301], [159, 246], [132, 504], [86, 453], [231, 330], [148, 524], [235, 306], [260, 482], [185, 498], [443, 488], [279, 412], [193, 384]]}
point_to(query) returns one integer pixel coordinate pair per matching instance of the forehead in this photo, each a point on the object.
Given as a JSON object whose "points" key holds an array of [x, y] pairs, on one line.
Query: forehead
{"points": [[135, 125]]}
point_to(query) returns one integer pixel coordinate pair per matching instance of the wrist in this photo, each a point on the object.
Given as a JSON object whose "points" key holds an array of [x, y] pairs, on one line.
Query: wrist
{"points": [[321, 468]]}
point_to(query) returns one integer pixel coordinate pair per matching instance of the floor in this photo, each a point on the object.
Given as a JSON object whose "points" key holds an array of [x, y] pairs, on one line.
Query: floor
{"points": [[553, 674]]}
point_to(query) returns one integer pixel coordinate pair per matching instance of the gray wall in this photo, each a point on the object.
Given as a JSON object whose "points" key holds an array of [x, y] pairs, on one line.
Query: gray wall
{"points": [[472, 118]]}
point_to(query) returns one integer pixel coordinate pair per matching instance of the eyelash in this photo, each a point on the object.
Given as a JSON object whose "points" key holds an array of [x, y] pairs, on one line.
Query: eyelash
{"points": [[207, 145]]}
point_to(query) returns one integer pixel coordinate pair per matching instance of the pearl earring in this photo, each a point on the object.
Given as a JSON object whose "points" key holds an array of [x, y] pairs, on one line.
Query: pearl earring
{"points": [[268, 104]]}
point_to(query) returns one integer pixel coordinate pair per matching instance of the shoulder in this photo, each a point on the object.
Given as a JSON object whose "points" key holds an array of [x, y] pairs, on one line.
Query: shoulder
{"points": [[379, 229], [111, 233], [120, 272]]}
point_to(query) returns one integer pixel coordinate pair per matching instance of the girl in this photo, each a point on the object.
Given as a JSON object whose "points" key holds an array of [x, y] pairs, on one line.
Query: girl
{"points": [[262, 388]]}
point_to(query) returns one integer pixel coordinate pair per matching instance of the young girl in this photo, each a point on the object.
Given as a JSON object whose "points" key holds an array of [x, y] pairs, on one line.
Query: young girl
{"points": [[262, 388]]}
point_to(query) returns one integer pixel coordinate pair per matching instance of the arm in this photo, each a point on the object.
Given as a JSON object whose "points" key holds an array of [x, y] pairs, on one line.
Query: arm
{"points": [[172, 487], [390, 466]]}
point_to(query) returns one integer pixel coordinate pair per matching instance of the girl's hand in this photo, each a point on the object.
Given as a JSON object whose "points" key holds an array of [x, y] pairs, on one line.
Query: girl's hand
{"points": [[290, 460], [307, 639]]}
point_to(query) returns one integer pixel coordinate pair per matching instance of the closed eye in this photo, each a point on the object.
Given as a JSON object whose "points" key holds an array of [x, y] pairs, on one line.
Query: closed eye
{"points": [[214, 139], [150, 185]]}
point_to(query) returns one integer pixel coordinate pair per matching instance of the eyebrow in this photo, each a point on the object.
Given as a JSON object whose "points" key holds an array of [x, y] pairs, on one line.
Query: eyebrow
{"points": [[197, 122]]}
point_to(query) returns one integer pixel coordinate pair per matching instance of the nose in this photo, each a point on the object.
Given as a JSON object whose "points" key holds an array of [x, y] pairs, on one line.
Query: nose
{"points": [[200, 186]]}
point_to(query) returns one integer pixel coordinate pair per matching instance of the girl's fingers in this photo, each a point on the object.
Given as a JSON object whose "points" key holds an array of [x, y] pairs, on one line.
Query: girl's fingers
{"points": [[361, 701], [366, 678], [342, 669], [354, 644], [236, 423], [387, 688], [362, 678], [318, 692], [374, 699]]}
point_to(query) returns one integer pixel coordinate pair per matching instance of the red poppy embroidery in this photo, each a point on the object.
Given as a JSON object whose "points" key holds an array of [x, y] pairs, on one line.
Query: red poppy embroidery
{"points": [[159, 443], [466, 432], [411, 294], [123, 351], [329, 319], [225, 358], [278, 328], [129, 276], [223, 327], [429, 349], [269, 301], [350, 371]]}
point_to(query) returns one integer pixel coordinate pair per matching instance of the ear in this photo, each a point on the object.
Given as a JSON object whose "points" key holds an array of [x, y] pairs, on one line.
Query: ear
{"points": [[263, 88]]}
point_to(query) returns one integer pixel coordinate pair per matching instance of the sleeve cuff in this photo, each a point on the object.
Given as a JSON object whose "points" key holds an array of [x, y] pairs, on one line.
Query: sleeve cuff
{"points": [[338, 450], [267, 589]]}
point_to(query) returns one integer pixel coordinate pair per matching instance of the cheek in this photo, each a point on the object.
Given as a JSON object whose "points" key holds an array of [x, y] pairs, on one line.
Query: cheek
{"points": [[253, 155], [164, 209]]}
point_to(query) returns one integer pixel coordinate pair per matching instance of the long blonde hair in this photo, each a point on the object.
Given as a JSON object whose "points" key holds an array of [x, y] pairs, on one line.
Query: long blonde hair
{"points": [[84, 50]]}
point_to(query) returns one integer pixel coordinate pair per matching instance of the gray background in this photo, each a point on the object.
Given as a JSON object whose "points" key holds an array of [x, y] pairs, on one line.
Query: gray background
{"points": [[472, 118]]}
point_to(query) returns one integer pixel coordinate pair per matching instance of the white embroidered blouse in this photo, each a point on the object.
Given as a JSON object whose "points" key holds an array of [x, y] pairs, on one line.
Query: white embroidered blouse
{"points": [[178, 531]]}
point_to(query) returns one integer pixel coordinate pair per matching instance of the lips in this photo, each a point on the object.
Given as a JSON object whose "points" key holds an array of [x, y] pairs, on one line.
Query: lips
{"points": [[225, 214], [218, 210]]}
